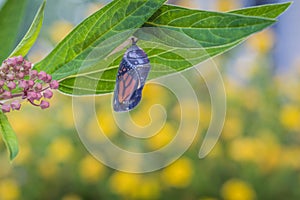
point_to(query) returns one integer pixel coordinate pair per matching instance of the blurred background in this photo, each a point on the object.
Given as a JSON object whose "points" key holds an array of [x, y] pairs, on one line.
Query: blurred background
{"points": [[257, 156]]}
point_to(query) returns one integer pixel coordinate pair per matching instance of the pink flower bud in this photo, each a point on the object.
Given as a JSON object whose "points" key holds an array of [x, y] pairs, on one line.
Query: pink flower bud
{"points": [[6, 95], [30, 83], [48, 94], [44, 104], [31, 96], [4, 67], [20, 75], [11, 85], [38, 96], [33, 74], [38, 87], [11, 61], [19, 59], [27, 65], [48, 78], [15, 105], [42, 75], [17, 68], [54, 84], [10, 77], [5, 108], [1, 83], [23, 84]]}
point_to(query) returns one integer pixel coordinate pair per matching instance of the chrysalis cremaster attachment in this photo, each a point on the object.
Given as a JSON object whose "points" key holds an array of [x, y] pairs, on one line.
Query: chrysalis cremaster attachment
{"points": [[132, 74]]}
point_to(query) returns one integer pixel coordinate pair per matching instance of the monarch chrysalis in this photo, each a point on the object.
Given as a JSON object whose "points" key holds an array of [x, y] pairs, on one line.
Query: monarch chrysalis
{"points": [[132, 74]]}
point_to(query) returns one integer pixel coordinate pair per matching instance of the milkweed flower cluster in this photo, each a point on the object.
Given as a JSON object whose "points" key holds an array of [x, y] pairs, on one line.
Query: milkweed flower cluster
{"points": [[19, 82]]}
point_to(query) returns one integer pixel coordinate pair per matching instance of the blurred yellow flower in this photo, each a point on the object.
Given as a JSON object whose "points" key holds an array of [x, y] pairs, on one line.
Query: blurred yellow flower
{"points": [[155, 94], [216, 151], [162, 138], [233, 127], [179, 174], [107, 124], [124, 183], [262, 42], [290, 117], [290, 157], [91, 170], [235, 189], [59, 30], [263, 150], [60, 149], [28, 126], [244, 149], [9, 189], [226, 5], [71, 197], [134, 186]]}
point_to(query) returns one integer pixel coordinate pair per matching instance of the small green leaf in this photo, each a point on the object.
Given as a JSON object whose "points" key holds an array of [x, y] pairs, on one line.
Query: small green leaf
{"points": [[11, 16], [9, 137], [175, 39], [116, 21], [267, 11], [32, 34]]}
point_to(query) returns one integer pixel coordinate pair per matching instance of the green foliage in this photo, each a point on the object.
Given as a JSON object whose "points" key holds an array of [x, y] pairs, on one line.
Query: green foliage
{"points": [[267, 11], [8, 136], [118, 20], [32, 34], [174, 38], [9, 21], [11, 16]]}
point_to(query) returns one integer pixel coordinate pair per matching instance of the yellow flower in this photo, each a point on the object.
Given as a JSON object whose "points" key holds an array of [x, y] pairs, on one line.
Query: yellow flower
{"points": [[235, 189], [149, 188], [107, 124], [226, 5], [59, 30], [290, 117], [9, 189], [290, 157], [179, 174], [124, 183], [91, 170], [134, 186], [243, 149], [233, 127], [60, 149], [162, 138], [264, 150], [262, 42]]}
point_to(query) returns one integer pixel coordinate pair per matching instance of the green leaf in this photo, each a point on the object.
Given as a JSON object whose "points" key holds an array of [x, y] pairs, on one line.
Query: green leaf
{"points": [[267, 11], [11, 16], [32, 34], [175, 39], [116, 21], [8, 136]]}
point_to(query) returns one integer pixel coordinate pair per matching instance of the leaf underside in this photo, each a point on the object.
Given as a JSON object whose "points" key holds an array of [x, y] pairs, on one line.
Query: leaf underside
{"points": [[10, 24], [32, 34], [174, 39], [9, 137]]}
